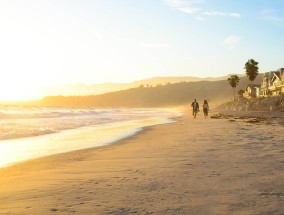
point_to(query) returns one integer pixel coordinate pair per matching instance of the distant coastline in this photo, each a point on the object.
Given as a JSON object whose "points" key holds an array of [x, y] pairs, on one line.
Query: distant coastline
{"points": [[162, 95]]}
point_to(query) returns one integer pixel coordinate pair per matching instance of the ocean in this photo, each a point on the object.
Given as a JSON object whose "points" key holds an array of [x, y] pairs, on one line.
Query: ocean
{"points": [[32, 132]]}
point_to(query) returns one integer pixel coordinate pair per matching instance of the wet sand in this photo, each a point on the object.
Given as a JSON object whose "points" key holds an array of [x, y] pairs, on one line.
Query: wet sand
{"points": [[193, 166]]}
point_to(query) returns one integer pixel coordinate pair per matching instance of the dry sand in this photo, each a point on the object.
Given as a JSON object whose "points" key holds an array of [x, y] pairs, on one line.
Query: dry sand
{"points": [[202, 166]]}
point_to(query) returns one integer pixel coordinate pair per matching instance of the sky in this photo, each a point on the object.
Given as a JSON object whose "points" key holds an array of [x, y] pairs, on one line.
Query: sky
{"points": [[59, 42]]}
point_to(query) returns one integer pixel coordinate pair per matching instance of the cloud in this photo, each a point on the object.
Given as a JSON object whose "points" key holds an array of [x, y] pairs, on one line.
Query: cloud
{"points": [[190, 10], [270, 16], [175, 3], [200, 18], [216, 13], [196, 7], [232, 41], [156, 45], [182, 3], [186, 6]]}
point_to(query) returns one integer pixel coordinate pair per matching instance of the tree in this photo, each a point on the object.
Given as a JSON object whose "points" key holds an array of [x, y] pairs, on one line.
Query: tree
{"points": [[234, 81], [241, 92], [251, 69]]}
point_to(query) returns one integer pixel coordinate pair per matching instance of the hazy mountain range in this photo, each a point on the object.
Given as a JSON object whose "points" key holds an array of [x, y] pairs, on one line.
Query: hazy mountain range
{"points": [[94, 89], [149, 95]]}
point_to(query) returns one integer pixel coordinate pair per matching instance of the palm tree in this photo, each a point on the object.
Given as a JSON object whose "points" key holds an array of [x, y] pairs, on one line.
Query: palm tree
{"points": [[251, 69], [234, 81]]}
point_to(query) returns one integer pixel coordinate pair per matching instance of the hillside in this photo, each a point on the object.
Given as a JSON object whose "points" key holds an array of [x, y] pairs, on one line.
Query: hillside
{"points": [[95, 89], [160, 96]]}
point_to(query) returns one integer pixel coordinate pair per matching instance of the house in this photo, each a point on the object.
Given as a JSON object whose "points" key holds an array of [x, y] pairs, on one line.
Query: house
{"points": [[266, 82], [252, 91], [272, 83], [280, 84], [275, 87]]}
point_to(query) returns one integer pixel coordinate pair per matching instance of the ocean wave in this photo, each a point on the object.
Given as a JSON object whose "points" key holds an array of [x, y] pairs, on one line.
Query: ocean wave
{"points": [[18, 122]]}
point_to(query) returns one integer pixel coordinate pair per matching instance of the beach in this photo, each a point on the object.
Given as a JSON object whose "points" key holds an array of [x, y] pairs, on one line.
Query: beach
{"points": [[228, 165]]}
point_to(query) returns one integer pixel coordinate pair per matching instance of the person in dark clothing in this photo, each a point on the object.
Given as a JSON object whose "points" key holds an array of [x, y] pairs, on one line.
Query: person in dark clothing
{"points": [[195, 108]]}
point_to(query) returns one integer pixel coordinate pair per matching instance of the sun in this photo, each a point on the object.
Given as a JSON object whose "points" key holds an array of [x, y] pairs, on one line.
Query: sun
{"points": [[18, 92]]}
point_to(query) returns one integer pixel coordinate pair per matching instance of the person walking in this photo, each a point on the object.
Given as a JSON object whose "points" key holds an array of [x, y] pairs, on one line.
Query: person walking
{"points": [[195, 108], [205, 108]]}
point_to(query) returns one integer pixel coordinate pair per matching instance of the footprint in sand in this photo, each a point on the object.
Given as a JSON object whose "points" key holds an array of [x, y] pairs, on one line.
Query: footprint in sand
{"points": [[54, 209]]}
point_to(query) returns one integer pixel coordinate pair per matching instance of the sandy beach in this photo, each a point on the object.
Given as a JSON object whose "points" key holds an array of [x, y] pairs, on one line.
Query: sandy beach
{"points": [[193, 166]]}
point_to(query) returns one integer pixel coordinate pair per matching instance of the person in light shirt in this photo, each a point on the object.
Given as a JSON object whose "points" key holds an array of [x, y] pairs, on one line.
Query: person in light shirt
{"points": [[205, 108]]}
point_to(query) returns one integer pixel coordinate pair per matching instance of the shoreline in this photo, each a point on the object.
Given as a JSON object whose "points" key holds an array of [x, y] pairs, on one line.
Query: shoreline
{"points": [[30, 148], [202, 166]]}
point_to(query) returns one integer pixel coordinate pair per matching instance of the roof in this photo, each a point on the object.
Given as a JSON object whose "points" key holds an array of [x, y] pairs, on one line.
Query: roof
{"points": [[253, 85], [268, 74], [276, 75]]}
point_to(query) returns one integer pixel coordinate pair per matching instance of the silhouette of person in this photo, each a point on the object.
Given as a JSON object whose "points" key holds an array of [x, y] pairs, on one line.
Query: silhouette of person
{"points": [[205, 108], [195, 108]]}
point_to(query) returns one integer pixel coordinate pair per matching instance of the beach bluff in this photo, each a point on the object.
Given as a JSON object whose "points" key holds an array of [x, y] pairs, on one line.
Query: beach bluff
{"points": [[257, 104]]}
